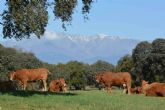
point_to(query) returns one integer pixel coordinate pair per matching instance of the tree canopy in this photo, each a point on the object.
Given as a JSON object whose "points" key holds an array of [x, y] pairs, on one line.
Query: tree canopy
{"points": [[149, 61], [12, 59], [125, 64], [23, 18]]}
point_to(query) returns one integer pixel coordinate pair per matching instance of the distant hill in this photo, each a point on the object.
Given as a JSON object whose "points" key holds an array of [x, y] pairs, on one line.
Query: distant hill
{"points": [[61, 48]]}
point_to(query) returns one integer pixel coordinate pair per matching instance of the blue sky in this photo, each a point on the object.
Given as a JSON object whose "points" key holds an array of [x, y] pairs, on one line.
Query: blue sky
{"points": [[135, 19]]}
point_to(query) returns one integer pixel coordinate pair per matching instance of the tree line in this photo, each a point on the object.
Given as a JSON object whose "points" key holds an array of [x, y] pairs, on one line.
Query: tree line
{"points": [[146, 62]]}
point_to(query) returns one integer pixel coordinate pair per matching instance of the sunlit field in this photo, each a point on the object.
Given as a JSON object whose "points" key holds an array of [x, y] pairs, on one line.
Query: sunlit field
{"points": [[79, 100]]}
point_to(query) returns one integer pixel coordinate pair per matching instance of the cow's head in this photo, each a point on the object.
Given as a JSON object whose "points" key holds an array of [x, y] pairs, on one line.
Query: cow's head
{"points": [[62, 84], [11, 76], [62, 81], [144, 86], [144, 83]]}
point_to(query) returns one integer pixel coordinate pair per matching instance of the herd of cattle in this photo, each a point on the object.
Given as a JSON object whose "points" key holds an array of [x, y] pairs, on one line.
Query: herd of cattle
{"points": [[24, 76], [106, 79], [109, 79]]}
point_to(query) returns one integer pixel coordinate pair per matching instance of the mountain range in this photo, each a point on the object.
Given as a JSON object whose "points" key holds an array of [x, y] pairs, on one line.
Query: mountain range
{"points": [[61, 47]]}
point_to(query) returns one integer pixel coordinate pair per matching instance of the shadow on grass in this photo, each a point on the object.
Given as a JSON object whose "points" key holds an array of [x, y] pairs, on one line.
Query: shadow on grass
{"points": [[31, 93]]}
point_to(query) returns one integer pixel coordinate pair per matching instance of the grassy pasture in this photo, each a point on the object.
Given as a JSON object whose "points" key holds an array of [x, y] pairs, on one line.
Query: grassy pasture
{"points": [[78, 100]]}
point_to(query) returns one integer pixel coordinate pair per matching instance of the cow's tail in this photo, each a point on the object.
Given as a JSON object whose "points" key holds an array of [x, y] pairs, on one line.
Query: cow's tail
{"points": [[49, 77], [49, 73]]}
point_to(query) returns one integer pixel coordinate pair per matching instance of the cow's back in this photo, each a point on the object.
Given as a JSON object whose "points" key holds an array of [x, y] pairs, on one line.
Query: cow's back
{"points": [[32, 74], [116, 78], [156, 89]]}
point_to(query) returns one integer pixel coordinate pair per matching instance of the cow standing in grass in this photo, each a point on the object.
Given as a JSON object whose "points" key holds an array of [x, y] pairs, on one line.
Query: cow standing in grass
{"points": [[23, 76], [109, 79], [153, 89]]}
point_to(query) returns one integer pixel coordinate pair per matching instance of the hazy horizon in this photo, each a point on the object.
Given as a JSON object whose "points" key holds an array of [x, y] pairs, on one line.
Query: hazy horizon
{"points": [[60, 47]]}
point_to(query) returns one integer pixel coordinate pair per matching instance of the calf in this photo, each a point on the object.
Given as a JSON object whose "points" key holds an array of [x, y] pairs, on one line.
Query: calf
{"points": [[57, 85]]}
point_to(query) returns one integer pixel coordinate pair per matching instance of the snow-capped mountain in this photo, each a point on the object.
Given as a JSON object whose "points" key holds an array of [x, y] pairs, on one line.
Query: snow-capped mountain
{"points": [[59, 47]]}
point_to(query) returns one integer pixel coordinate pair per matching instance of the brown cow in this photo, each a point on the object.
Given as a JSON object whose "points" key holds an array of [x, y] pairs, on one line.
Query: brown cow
{"points": [[153, 89], [145, 86], [58, 85], [109, 79], [25, 75]]}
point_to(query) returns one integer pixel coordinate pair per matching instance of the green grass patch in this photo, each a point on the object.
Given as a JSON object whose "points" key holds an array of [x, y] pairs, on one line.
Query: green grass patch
{"points": [[78, 100]]}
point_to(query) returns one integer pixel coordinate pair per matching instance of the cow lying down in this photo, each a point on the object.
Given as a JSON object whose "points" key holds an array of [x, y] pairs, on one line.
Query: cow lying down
{"points": [[58, 85], [153, 89]]}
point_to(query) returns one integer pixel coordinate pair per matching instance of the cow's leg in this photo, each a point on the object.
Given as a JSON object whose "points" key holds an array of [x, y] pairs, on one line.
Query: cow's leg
{"points": [[124, 91], [24, 85], [125, 88], [129, 88], [109, 89], [21, 84], [45, 85]]}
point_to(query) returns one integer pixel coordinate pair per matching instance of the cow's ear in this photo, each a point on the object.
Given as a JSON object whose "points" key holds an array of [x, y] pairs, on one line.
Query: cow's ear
{"points": [[146, 82]]}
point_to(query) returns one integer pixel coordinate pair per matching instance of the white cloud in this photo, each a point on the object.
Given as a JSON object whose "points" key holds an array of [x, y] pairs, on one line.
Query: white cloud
{"points": [[103, 35], [50, 35]]}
